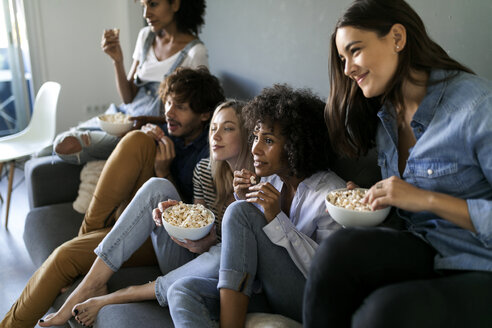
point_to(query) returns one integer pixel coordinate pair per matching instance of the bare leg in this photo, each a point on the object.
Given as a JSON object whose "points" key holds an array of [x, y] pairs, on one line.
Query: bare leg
{"points": [[88, 310], [93, 284], [233, 308]]}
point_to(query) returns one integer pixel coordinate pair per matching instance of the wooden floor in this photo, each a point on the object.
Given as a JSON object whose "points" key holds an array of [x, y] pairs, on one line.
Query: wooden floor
{"points": [[15, 265]]}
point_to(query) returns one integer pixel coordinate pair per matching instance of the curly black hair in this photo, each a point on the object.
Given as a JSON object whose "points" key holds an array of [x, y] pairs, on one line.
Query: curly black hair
{"points": [[189, 17], [300, 115]]}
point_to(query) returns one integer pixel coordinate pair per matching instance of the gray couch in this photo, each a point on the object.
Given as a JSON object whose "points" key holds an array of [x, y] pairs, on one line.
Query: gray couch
{"points": [[52, 187]]}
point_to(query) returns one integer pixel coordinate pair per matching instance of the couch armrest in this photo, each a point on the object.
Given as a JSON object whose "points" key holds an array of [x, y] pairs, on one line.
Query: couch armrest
{"points": [[49, 180]]}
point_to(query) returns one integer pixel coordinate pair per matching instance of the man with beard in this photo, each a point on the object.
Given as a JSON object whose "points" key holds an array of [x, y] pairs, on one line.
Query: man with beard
{"points": [[169, 151]]}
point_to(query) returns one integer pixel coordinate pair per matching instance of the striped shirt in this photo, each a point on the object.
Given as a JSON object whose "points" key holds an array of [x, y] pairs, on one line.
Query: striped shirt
{"points": [[204, 189]]}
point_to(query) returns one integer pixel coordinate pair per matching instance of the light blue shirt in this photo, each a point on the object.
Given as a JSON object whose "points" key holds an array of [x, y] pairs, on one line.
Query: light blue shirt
{"points": [[452, 155], [308, 222]]}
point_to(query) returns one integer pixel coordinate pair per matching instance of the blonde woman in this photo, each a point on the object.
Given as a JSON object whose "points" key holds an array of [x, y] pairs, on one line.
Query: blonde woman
{"points": [[212, 187]]}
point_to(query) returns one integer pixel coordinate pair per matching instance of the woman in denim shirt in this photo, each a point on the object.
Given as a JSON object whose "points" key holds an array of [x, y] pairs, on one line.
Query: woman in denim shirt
{"points": [[431, 120]]}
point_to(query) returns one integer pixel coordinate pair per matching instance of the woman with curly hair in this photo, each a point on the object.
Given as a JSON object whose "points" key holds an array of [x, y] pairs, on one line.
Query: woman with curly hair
{"points": [[271, 233], [169, 41]]}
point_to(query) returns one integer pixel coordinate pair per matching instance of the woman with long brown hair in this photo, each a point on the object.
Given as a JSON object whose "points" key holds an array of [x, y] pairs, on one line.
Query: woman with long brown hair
{"points": [[431, 120]]}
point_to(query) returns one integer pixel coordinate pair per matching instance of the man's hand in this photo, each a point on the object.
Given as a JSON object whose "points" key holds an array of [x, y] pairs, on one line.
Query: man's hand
{"points": [[164, 156]]}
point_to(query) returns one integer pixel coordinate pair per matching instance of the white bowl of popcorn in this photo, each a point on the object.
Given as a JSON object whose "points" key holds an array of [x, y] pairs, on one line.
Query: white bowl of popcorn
{"points": [[188, 221], [115, 124], [346, 208]]}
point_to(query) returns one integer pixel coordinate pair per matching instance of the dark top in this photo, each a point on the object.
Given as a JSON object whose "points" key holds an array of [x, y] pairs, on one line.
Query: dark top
{"points": [[185, 161]]}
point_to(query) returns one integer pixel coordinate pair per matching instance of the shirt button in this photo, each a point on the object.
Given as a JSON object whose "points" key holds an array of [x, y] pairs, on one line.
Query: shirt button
{"points": [[429, 172], [149, 92]]}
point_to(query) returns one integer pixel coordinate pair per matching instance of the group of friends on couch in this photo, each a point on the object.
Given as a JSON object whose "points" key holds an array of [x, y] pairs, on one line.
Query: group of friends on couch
{"points": [[263, 168]]}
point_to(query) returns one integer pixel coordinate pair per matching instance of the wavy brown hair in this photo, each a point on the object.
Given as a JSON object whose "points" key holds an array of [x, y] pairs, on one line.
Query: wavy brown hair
{"points": [[300, 116], [350, 117], [197, 87]]}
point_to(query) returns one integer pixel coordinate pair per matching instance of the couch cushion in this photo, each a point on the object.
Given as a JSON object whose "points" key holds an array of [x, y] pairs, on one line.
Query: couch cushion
{"points": [[48, 227], [88, 181], [49, 180]]}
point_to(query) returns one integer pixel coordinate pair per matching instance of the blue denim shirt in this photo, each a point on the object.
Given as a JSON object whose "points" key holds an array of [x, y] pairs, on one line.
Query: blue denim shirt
{"points": [[452, 155]]}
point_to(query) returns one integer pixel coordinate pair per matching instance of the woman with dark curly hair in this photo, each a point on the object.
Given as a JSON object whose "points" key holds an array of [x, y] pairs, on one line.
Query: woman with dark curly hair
{"points": [[169, 41], [271, 233]]}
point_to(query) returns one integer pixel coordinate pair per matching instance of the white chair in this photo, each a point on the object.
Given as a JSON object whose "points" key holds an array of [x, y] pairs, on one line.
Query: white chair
{"points": [[37, 135]]}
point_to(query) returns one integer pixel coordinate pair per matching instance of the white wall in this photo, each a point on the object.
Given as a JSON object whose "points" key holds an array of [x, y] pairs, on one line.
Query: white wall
{"points": [[256, 43], [252, 44], [65, 40]]}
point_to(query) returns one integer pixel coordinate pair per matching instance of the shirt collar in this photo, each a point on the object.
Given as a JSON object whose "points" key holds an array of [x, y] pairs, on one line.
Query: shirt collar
{"points": [[312, 182], [427, 108], [435, 91], [200, 142]]}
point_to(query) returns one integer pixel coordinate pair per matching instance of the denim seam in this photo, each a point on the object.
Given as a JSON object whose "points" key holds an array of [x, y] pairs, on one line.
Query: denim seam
{"points": [[125, 233]]}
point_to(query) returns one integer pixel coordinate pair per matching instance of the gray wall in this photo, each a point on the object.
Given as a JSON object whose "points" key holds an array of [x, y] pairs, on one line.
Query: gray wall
{"points": [[255, 43], [252, 44], [65, 45]]}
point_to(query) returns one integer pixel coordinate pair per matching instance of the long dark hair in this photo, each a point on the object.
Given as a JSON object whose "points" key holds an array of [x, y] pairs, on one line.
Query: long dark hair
{"points": [[350, 117]]}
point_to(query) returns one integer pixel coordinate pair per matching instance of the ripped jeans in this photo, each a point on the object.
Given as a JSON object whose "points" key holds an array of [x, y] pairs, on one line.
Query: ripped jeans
{"points": [[97, 146]]}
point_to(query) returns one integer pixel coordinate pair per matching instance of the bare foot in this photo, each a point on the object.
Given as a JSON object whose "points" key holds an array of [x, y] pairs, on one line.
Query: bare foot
{"points": [[88, 310], [80, 294]]}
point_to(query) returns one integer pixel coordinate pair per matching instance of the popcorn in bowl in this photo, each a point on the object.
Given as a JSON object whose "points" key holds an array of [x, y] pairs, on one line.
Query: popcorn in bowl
{"points": [[188, 215], [349, 199], [346, 208], [115, 124], [115, 118], [188, 221]]}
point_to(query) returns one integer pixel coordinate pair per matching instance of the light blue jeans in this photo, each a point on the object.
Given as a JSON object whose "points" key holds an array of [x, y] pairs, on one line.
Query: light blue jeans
{"points": [[247, 257], [135, 225]]}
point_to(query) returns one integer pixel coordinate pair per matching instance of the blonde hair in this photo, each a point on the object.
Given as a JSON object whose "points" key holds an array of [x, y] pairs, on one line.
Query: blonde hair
{"points": [[222, 173]]}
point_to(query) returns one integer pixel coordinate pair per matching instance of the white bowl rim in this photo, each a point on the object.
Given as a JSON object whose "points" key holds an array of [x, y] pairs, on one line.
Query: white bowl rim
{"points": [[187, 229], [349, 210], [99, 117]]}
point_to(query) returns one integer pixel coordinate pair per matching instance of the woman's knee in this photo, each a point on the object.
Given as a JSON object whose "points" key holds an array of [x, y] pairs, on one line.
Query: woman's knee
{"points": [[242, 212], [68, 144], [182, 291], [158, 186]]}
